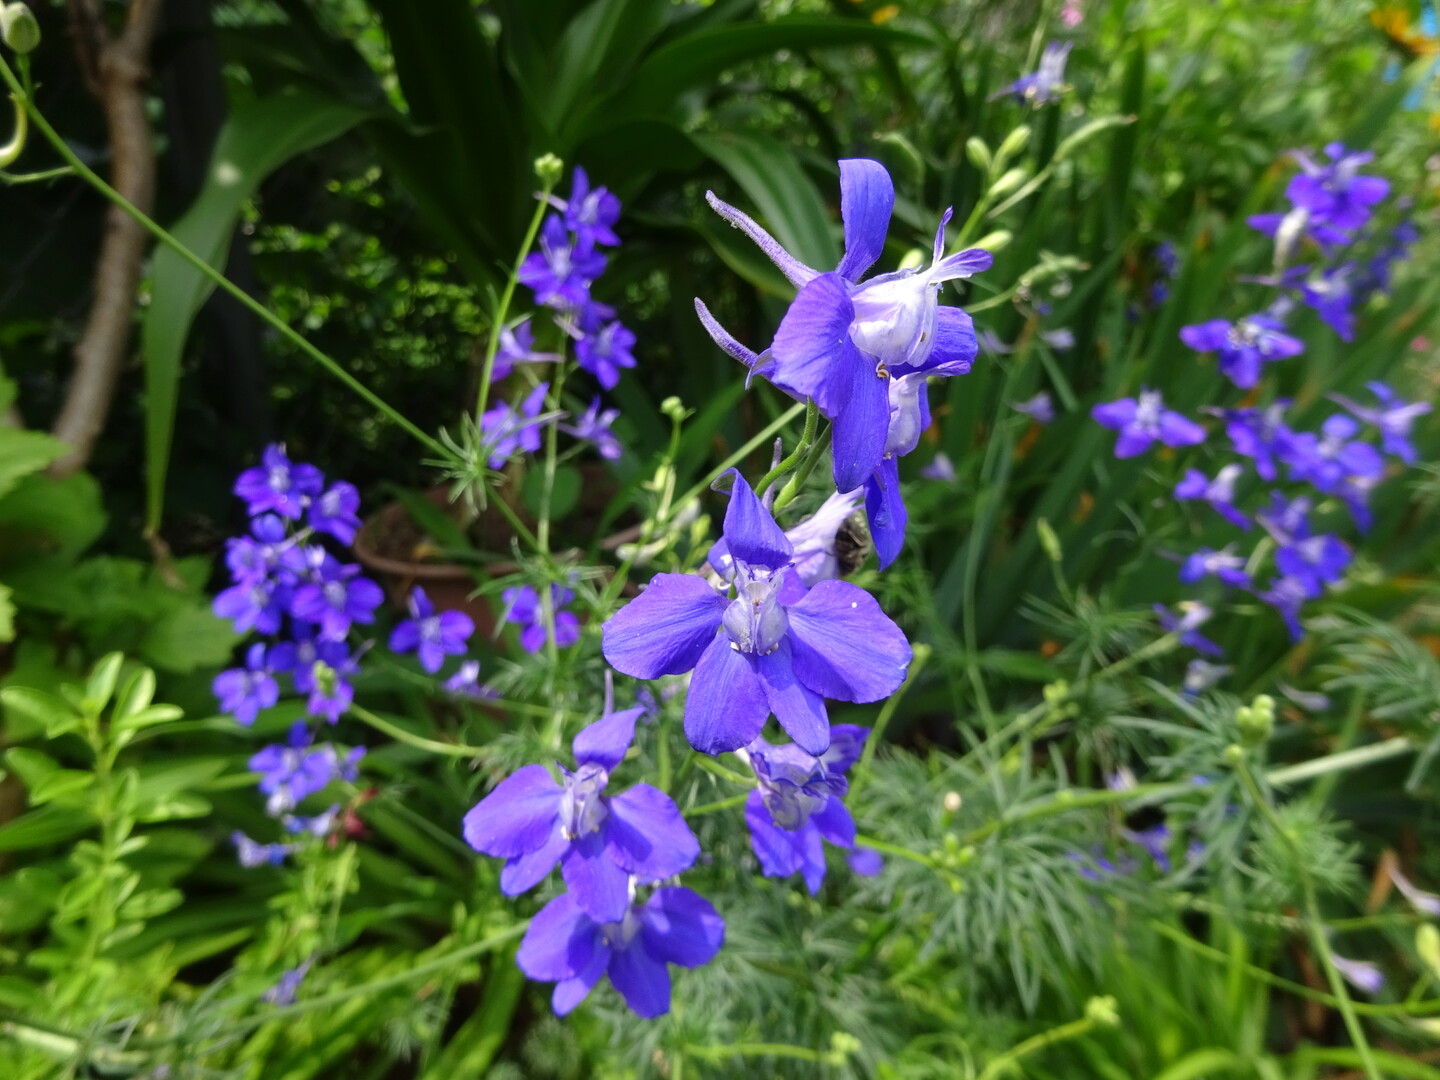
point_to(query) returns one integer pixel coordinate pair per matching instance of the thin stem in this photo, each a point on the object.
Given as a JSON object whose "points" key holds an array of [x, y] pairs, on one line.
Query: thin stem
{"points": [[718, 806], [727, 1050], [1312, 919], [887, 848], [920, 657], [807, 439], [1072, 1030], [219, 279], [797, 481], [396, 732], [740, 455], [1346, 759]]}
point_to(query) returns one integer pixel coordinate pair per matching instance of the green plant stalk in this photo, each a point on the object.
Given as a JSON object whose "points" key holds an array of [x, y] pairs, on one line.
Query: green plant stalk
{"points": [[887, 848], [1312, 919], [729, 1050], [1073, 1030], [807, 439], [1346, 759], [365, 716], [717, 806], [220, 280], [741, 454], [921, 654], [616, 585], [502, 307], [797, 481]]}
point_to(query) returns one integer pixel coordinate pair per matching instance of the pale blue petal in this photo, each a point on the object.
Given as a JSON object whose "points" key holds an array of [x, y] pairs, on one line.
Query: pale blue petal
{"points": [[751, 534]]}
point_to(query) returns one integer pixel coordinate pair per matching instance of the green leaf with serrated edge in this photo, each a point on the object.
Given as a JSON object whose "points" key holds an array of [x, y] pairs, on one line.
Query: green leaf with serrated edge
{"points": [[258, 137]]}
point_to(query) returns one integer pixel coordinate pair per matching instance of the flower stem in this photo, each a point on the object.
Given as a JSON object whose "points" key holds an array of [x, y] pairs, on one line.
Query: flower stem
{"points": [[434, 746], [717, 806], [1072, 1030]]}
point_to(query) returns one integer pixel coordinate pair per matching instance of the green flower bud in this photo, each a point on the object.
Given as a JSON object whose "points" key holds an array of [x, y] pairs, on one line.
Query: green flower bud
{"points": [[1008, 183], [978, 153], [1014, 142], [1256, 721], [1102, 1011], [18, 28], [1427, 947], [994, 241], [1049, 540], [549, 169]]}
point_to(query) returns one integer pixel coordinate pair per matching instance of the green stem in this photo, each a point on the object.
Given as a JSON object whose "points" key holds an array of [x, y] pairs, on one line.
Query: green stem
{"points": [[718, 806], [219, 279], [435, 747], [1072, 1030], [887, 848], [1067, 800], [1346, 759], [1312, 919], [797, 481], [920, 657], [729, 1050], [740, 455], [807, 439]]}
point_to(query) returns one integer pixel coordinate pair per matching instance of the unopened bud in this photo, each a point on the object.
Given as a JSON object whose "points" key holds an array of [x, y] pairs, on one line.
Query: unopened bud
{"points": [[1427, 947], [1008, 183], [1056, 692], [1256, 721], [18, 28], [674, 408], [1014, 142], [1049, 541], [1102, 1011], [993, 242], [549, 169], [978, 153], [952, 801]]}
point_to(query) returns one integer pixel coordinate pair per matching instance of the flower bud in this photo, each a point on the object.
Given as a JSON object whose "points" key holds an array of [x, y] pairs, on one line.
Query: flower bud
{"points": [[1049, 541], [1427, 947], [18, 28], [1256, 721], [549, 169], [978, 153], [1008, 183], [674, 408], [1014, 143], [993, 242], [1102, 1011], [952, 801]]}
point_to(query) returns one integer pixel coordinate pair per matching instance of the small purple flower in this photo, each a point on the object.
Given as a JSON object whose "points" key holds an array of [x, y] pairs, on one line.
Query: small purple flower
{"points": [[430, 635], [1039, 408], [1223, 564], [1394, 418], [253, 605], [1143, 420], [560, 273], [336, 512], [319, 826], [593, 426], [564, 944], [590, 213], [1313, 562], [1287, 596], [1362, 974], [1156, 842], [335, 604], [283, 992], [797, 803], [599, 841], [1047, 83], [1061, 340], [289, 774], [1201, 675], [524, 609], [1219, 493], [252, 854], [251, 560], [939, 468], [328, 681], [1193, 615], [1422, 901], [1243, 345], [466, 682], [517, 346], [864, 862], [1258, 433], [1287, 520], [506, 430], [1326, 460], [1332, 295], [243, 692], [764, 650], [1335, 193], [604, 351], [278, 485]]}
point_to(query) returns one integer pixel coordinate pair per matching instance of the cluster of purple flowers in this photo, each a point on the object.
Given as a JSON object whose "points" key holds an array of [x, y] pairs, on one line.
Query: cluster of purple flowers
{"points": [[523, 607], [864, 350]]}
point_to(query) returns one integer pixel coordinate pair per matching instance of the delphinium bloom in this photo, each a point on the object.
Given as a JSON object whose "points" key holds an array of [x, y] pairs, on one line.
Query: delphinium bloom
{"points": [[1332, 295], [517, 346], [1310, 561], [336, 598], [1258, 433], [566, 945], [589, 212], [1362, 974], [432, 637], [1047, 83], [243, 692], [524, 608], [764, 650], [815, 557], [599, 841], [507, 430], [842, 341], [1393, 417], [1201, 675], [291, 773], [1224, 565], [604, 349], [251, 853], [593, 426], [1287, 596], [940, 468], [336, 512], [278, 485], [1243, 345], [1324, 461], [1331, 200], [797, 803], [1193, 615], [1219, 493], [1143, 420], [560, 273], [466, 682], [283, 992], [1039, 408], [1424, 902]]}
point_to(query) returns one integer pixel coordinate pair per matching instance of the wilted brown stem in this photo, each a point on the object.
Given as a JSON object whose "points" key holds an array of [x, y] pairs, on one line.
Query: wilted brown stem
{"points": [[116, 69]]}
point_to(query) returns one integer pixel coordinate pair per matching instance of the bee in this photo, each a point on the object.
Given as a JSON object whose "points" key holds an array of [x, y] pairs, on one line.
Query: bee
{"points": [[852, 544]]}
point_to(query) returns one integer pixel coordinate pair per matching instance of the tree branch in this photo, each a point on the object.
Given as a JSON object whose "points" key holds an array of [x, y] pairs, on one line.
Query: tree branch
{"points": [[116, 69]]}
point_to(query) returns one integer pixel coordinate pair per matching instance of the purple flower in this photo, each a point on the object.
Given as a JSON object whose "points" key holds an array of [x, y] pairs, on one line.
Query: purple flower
{"points": [[251, 560], [430, 635], [278, 485], [319, 826], [517, 346], [336, 512], [252, 605], [864, 862], [1362, 974], [797, 804], [593, 426], [604, 349], [1201, 675], [940, 468], [506, 430], [289, 774], [1223, 564], [590, 213], [1243, 345], [523, 608], [336, 603], [252, 854], [763, 651], [560, 273], [1156, 842], [328, 681], [840, 343], [1193, 615], [1258, 433], [1313, 562], [1394, 419], [1422, 901], [1335, 193], [466, 682], [564, 944], [1047, 83], [1333, 296], [243, 692], [283, 992], [1142, 420], [1219, 493], [1039, 408], [1326, 460], [1287, 520], [599, 841], [1287, 596], [814, 558], [1061, 339]]}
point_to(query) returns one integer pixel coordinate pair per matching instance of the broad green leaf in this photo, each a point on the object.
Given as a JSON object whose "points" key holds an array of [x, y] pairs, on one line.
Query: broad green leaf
{"points": [[43, 827], [43, 711], [26, 898], [62, 786], [188, 638], [137, 693], [257, 137], [30, 765], [57, 518], [101, 686], [24, 452]]}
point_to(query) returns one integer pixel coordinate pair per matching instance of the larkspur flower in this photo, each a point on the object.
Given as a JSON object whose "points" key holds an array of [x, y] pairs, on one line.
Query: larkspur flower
{"points": [[283, 992], [1243, 345], [1224, 564], [320, 825], [291, 773], [940, 468], [337, 601], [1394, 419], [590, 212], [278, 485], [763, 651], [466, 682], [1286, 520], [524, 609], [329, 688], [1193, 615], [841, 342], [1156, 843], [507, 430], [1047, 83], [243, 692], [1219, 493], [1039, 408], [1424, 902], [564, 944], [1287, 596], [604, 349], [335, 512], [430, 636], [1335, 193], [257, 556], [1314, 562], [1325, 460], [1258, 433], [253, 605], [298, 656], [517, 346], [1143, 420], [560, 273], [251, 853], [600, 841], [1201, 675], [1061, 339], [797, 803], [593, 426], [1333, 297], [1362, 974]]}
